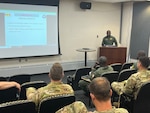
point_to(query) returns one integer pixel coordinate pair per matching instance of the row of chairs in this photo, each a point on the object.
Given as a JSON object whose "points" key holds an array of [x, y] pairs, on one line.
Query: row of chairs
{"points": [[20, 78], [118, 67], [12, 93], [48, 105], [116, 76], [141, 103], [12, 101]]}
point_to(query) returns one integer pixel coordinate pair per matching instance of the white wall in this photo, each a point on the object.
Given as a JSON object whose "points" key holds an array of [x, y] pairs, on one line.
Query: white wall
{"points": [[78, 28]]}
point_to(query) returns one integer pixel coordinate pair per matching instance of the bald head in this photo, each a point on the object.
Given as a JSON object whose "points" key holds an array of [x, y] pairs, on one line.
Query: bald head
{"points": [[100, 88]]}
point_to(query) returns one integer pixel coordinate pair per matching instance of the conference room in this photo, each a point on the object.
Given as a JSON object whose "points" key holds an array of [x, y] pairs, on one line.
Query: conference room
{"points": [[35, 34]]}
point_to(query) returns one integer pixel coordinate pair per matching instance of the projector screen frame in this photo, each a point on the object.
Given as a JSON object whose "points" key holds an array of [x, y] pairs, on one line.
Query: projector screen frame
{"points": [[59, 52]]}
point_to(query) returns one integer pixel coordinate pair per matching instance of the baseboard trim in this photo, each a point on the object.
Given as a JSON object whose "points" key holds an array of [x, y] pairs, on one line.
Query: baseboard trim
{"points": [[41, 68]]}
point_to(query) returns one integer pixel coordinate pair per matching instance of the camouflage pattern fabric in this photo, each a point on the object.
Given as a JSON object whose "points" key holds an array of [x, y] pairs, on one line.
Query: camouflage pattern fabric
{"points": [[79, 107], [113, 110], [52, 89], [132, 84], [76, 107]]}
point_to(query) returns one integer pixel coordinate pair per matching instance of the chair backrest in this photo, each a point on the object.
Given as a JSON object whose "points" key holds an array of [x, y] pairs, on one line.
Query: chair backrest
{"points": [[125, 74], [111, 76], [142, 101], [78, 74], [81, 72], [3, 78], [35, 84], [51, 105], [21, 78], [9, 94], [116, 66], [21, 106], [126, 65]]}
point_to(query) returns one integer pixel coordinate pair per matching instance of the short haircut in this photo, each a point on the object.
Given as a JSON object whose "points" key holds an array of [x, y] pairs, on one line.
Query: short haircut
{"points": [[145, 61], [141, 53], [108, 31], [102, 61], [56, 71], [100, 88]]}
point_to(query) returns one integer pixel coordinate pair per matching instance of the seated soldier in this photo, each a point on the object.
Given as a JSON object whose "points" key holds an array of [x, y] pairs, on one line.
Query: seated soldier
{"points": [[100, 92], [135, 81], [131, 85], [96, 72], [55, 87]]}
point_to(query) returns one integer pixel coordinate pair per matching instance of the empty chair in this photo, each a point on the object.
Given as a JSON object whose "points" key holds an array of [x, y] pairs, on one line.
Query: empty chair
{"points": [[111, 76], [22, 106], [9, 94], [52, 104], [74, 79], [21, 78], [125, 74], [126, 65], [116, 66], [142, 102], [35, 84]]}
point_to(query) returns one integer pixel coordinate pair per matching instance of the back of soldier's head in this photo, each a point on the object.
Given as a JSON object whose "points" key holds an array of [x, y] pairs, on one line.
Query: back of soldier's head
{"points": [[56, 72], [141, 53], [100, 88], [102, 61], [145, 61]]}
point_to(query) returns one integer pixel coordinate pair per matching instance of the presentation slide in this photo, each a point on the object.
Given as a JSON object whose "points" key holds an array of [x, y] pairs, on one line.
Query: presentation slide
{"points": [[28, 30]]}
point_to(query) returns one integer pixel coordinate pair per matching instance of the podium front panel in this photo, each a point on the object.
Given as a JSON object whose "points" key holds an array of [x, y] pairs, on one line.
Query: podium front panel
{"points": [[113, 54]]}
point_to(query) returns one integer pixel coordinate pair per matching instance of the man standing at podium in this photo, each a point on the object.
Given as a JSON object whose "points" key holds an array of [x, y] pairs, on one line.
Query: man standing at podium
{"points": [[109, 40]]}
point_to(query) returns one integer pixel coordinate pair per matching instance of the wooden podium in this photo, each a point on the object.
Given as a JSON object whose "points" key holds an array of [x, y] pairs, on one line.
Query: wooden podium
{"points": [[113, 54]]}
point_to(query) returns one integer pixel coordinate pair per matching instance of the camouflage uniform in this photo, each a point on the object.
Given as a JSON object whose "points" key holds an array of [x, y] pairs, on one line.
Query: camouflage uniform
{"points": [[95, 73], [79, 107], [132, 84], [113, 110], [53, 88], [76, 107], [109, 40]]}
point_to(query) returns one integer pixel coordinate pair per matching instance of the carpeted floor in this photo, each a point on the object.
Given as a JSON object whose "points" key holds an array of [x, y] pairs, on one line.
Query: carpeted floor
{"points": [[79, 94]]}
